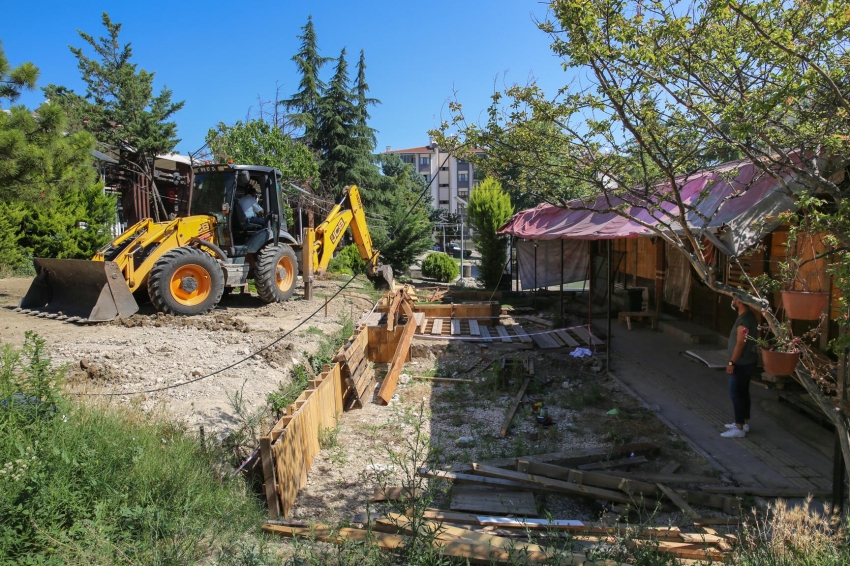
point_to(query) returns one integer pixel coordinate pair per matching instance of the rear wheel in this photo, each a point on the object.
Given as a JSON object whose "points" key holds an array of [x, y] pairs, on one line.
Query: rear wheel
{"points": [[185, 281], [276, 273]]}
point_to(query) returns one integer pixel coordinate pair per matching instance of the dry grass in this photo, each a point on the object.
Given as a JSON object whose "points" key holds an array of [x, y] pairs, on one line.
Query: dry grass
{"points": [[795, 535]]}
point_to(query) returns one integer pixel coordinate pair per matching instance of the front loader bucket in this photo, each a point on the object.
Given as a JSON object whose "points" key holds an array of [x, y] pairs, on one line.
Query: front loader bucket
{"points": [[79, 290], [383, 277]]}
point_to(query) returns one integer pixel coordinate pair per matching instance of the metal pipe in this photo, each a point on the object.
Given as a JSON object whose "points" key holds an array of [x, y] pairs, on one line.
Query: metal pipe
{"points": [[561, 314]]}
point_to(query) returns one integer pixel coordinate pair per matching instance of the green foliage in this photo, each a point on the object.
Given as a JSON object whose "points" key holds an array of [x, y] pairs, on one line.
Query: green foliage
{"points": [[37, 159], [304, 104], [11, 255], [489, 208], [90, 484], [119, 107], [257, 142], [348, 261], [440, 266], [14, 80], [75, 227]]}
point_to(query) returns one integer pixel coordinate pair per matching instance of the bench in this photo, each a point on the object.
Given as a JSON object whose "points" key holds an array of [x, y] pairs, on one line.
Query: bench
{"points": [[639, 315]]}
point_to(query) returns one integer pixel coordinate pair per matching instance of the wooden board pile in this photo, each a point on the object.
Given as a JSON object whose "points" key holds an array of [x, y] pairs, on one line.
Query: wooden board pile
{"points": [[358, 375]]}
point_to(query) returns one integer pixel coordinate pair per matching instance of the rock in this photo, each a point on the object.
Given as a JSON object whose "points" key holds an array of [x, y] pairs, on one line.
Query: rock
{"points": [[197, 371], [465, 442], [404, 378], [655, 408], [84, 364], [274, 365]]}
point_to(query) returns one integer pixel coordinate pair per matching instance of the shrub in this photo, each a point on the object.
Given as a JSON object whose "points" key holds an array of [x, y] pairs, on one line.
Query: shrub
{"points": [[348, 261], [489, 208], [84, 483], [440, 266]]}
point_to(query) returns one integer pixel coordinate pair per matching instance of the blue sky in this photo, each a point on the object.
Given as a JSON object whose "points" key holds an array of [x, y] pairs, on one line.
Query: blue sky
{"points": [[221, 56]]}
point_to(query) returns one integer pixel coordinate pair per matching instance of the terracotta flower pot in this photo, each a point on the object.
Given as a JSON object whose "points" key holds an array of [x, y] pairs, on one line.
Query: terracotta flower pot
{"points": [[802, 305], [780, 363]]}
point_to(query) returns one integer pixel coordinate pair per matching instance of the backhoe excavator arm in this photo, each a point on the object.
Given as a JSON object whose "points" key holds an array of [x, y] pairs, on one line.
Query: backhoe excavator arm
{"points": [[328, 234]]}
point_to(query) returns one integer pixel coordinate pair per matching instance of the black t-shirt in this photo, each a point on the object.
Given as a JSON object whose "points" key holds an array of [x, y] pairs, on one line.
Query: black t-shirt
{"points": [[748, 321]]}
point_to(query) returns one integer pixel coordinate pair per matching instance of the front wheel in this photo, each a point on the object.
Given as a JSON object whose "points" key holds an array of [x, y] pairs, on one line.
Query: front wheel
{"points": [[185, 281], [276, 273]]}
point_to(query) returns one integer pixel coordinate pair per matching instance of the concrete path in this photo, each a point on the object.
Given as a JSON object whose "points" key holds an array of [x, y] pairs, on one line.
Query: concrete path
{"points": [[783, 449]]}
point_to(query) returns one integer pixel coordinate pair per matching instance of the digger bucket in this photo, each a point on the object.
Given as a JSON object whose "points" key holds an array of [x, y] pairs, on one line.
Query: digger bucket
{"points": [[78, 290], [383, 277]]}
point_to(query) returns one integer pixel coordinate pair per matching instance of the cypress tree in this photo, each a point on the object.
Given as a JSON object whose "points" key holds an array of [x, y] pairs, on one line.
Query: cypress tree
{"points": [[335, 133], [304, 104]]}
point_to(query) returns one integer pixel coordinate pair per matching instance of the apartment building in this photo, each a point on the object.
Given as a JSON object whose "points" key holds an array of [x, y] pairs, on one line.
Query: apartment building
{"points": [[451, 177]]}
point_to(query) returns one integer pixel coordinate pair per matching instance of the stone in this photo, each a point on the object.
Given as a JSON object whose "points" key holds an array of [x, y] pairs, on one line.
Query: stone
{"points": [[404, 378], [197, 372], [465, 442]]}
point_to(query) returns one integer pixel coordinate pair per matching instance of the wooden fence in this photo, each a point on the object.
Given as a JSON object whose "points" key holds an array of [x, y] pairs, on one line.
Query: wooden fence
{"points": [[290, 447]]}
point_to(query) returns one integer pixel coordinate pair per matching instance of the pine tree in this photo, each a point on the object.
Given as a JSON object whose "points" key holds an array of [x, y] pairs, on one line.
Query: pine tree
{"points": [[360, 93], [13, 81], [304, 104], [119, 107], [335, 135]]}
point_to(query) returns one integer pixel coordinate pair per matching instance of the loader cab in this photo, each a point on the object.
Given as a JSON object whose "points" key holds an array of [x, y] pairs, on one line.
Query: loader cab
{"points": [[217, 191]]}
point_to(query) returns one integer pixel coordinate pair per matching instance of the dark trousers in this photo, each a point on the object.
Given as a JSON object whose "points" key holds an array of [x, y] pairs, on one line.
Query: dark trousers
{"points": [[739, 391]]}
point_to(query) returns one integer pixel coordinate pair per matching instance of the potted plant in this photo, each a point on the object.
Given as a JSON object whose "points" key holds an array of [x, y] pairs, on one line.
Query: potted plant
{"points": [[781, 352], [800, 303]]}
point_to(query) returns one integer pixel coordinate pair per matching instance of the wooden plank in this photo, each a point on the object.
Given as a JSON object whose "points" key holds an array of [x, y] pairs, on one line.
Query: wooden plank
{"points": [[392, 493], [399, 359], [443, 379], [419, 317], [473, 328], [500, 501], [678, 501], [670, 468], [456, 534], [589, 478], [587, 336], [474, 553], [482, 480], [422, 323], [551, 484], [521, 333], [455, 327], [663, 478], [540, 339], [613, 463], [268, 476], [437, 328], [568, 340], [392, 311], [537, 319], [503, 333], [485, 333], [768, 492], [512, 408]]}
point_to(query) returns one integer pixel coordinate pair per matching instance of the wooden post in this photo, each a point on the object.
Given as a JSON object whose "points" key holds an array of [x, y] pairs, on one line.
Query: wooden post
{"points": [[839, 474], [535, 273], [326, 306], [307, 263], [266, 456], [561, 314], [589, 283], [610, 289], [659, 276]]}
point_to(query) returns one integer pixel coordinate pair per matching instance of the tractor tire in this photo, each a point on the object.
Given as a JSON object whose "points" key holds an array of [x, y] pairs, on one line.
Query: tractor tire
{"points": [[185, 281], [276, 273]]}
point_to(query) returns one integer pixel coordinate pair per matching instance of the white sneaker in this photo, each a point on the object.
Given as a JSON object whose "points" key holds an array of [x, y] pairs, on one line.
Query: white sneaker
{"points": [[734, 433], [733, 425]]}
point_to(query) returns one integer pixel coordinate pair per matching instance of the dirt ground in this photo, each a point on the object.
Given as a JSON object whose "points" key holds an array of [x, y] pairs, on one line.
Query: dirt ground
{"points": [[152, 350]]}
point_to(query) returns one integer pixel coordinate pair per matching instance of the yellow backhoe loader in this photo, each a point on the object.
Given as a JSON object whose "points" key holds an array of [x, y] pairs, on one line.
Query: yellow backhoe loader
{"points": [[184, 265]]}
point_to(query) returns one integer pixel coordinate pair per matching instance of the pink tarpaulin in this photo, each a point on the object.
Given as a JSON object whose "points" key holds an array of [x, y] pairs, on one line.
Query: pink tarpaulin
{"points": [[736, 202]]}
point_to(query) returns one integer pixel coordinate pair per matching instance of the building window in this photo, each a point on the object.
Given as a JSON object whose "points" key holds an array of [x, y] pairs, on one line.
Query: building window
{"points": [[426, 177], [444, 185], [424, 160], [463, 176], [463, 194], [461, 162], [408, 158], [444, 202], [444, 168]]}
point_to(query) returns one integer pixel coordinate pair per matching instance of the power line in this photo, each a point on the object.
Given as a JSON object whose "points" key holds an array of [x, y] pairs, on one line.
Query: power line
{"points": [[218, 371]]}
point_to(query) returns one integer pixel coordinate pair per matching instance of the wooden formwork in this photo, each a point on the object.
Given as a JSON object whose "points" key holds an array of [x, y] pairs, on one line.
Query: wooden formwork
{"points": [[288, 450]]}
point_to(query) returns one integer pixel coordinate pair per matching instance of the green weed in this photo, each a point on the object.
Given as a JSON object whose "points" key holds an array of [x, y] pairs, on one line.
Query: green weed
{"points": [[88, 483]]}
